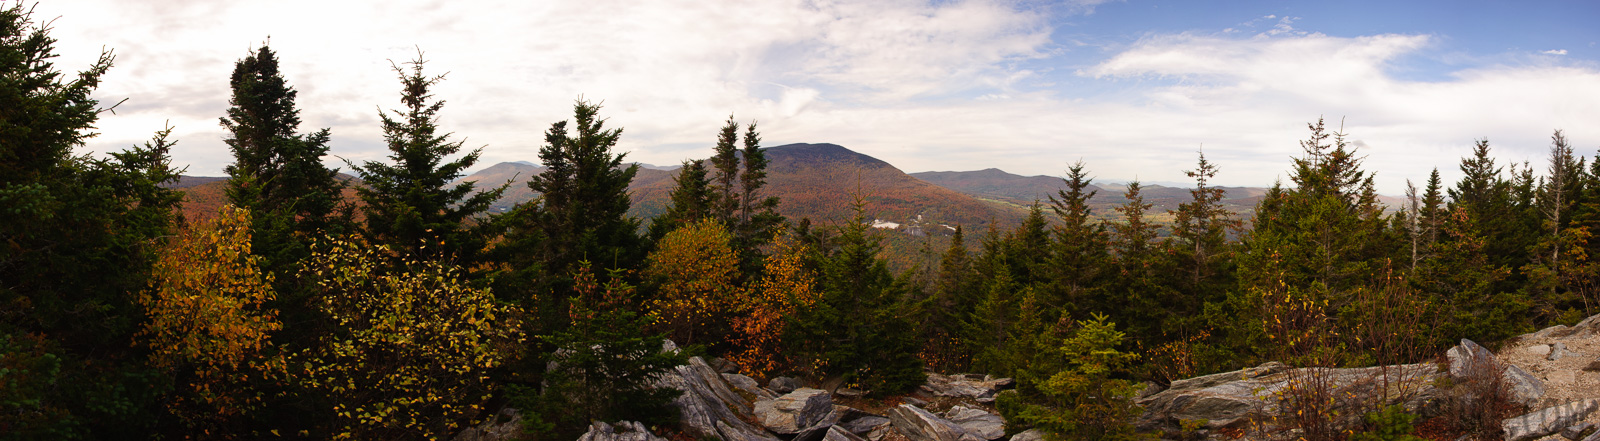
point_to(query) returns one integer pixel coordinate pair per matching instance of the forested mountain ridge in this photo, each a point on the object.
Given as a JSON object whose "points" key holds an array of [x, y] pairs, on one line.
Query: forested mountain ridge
{"points": [[814, 181], [1000, 186]]}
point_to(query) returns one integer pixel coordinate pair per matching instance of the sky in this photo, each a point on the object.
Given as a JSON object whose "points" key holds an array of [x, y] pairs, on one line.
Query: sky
{"points": [[1132, 88]]}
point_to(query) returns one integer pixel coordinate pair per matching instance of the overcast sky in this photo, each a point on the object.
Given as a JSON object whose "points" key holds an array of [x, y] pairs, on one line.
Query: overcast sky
{"points": [[1133, 88]]}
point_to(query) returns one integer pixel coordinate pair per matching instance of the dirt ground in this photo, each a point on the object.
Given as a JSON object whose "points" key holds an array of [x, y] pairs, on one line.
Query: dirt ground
{"points": [[1564, 378]]}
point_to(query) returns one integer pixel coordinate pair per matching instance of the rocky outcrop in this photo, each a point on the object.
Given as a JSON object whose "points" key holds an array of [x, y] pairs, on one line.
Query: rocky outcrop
{"points": [[980, 387], [783, 385], [920, 425], [794, 411], [1469, 359], [506, 425], [1028, 435], [709, 406], [834, 433], [1231, 399], [1222, 400], [977, 422], [748, 385], [622, 431], [1547, 421]]}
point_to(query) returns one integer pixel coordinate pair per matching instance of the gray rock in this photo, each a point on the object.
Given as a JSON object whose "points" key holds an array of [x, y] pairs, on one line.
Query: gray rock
{"points": [[795, 411], [1578, 431], [1230, 399], [507, 425], [748, 385], [1547, 421], [1467, 357], [722, 366], [865, 424], [623, 431], [1556, 351], [914, 401], [1028, 435], [834, 433], [819, 429], [977, 422], [965, 386], [783, 385], [1471, 359], [709, 406], [920, 425], [849, 392], [1525, 388]]}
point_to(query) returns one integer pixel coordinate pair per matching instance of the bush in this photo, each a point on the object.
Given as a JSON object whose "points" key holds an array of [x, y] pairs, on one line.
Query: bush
{"points": [[1083, 401], [1390, 424]]}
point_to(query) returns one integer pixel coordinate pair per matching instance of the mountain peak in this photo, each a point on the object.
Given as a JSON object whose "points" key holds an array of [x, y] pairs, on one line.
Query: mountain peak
{"points": [[810, 155]]}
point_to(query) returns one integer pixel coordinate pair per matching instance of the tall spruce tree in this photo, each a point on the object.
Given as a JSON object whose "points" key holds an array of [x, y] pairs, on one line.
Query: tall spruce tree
{"points": [[1144, 296], [758, 216], [725, 159], [858, 329], [583, 213], [411, 205], [1320, 229], [80, 236], [277, 173], [1079, 247], [690, 200], [1200, 237]]}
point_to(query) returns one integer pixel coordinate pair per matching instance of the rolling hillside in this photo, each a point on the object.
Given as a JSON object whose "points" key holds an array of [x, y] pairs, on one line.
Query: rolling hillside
{"points": [[814, 181], [999, 186]]}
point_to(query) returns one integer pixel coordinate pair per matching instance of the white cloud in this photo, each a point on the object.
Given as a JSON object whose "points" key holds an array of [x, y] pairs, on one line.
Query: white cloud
{"points": [[669, 72], [1411, 126], [923, 85], [1555, 52]]}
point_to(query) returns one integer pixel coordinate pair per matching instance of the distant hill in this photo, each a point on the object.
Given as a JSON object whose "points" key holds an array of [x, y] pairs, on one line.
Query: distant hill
{"points": [[815, 181], [996, 185], [203, 195]]}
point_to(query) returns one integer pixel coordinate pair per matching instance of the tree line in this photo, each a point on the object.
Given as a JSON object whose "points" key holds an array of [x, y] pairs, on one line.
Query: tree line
{"points": [[411, 312]]}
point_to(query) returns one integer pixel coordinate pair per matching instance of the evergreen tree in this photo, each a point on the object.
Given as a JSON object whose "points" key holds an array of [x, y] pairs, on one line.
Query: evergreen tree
{"points": [[1080, 246], [858, 330], [80, 237], [585, 187], [1323, 228], [954, 291], [690, 200], [411, 205], [758, 216], [277, 174], [725, 159], [1144, 299], [1200, 228]]}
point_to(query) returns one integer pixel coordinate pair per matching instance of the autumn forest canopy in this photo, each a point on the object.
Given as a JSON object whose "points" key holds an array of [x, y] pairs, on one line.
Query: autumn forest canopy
{"points": [[397, 305]]}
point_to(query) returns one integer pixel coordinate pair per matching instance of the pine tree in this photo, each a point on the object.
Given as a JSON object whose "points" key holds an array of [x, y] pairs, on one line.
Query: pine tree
{"points": [[80, 237], [1080, 246], [411, 205], [758, 217], [1200, 227], [725, 159], [277, 174], [689, 201], [857, 330], [954, 291], [1143, 299], [583, 213]]}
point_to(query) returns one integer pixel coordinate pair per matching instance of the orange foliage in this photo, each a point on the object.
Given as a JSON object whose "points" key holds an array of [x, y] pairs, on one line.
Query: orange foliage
{"points": [[786, 285], [696, 267], [206, 314]]}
